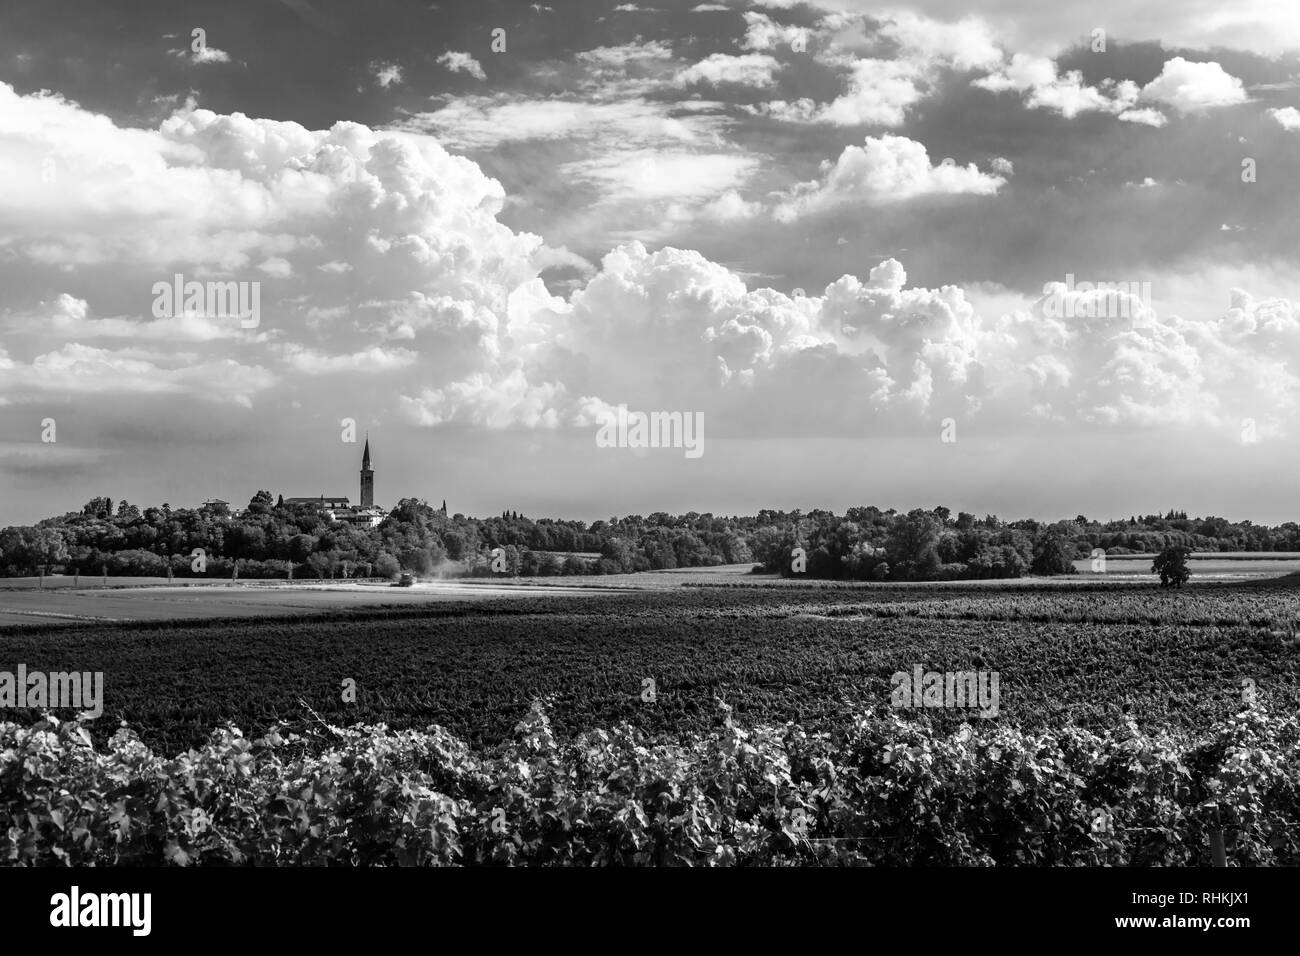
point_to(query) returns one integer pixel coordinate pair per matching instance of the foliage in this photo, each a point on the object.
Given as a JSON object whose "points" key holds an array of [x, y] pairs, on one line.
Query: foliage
{"points": [[1171, 565], [863, 544], [786, 651], [883, 790]]}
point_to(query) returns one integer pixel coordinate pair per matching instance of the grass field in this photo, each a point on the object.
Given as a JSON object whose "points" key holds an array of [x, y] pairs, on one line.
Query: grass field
{"points": [[65, 600], [1089, 652], [160, 602]]}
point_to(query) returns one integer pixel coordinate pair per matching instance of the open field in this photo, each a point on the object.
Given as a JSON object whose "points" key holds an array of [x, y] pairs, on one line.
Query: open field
{"points": [[1219, 566], [22, 601], [1087, 653], [250, 599]]}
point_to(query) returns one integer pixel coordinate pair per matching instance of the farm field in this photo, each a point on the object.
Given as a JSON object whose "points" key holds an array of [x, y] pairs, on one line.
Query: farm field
{"points": [[1091, 653], [24, 605], [1223, 565], [22, 601]]}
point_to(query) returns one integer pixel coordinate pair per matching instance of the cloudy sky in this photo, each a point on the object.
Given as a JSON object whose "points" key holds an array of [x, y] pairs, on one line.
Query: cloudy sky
{"points": [[828, 227]]}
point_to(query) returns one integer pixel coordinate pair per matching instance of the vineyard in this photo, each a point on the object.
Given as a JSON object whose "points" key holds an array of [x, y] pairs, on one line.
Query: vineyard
{"points": [[816, 656], [880, 790], [698, 725]]}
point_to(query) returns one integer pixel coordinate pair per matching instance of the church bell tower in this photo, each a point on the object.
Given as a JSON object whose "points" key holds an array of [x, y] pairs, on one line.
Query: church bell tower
{"points": [[367, 478]]}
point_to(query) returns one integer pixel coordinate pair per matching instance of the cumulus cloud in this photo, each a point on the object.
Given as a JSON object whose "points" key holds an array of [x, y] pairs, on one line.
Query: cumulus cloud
{"points": [[1183, 85], [879, 93], [491, 402], [1037, 78], [877, 90], [884, 169], [384, 254], [1188, 86], [1288, 117], [867, 355], [338, 226], [1147, 117]]}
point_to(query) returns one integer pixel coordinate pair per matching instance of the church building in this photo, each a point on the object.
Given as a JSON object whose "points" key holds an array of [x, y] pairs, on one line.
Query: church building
{"points": [[339, 509]]}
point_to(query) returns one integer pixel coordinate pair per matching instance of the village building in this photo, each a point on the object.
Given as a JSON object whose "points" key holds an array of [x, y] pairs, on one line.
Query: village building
{"points": [[339, 508]]}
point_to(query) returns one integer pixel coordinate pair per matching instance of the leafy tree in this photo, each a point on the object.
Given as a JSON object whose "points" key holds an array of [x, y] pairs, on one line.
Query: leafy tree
{"points": [[1053, 553], [912, 545], [98, 508], [387, 566], [1171, 565]]}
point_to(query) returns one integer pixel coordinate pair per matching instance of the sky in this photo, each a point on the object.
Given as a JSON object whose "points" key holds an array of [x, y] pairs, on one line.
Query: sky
{"points": [[859, 242]]}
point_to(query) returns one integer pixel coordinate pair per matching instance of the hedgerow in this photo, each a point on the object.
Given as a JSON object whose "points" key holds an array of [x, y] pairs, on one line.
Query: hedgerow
{"points": [[881, 790]]}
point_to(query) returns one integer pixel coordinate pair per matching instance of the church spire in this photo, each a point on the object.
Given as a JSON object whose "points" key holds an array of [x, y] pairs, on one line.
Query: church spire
{"points": [[367, 478]]}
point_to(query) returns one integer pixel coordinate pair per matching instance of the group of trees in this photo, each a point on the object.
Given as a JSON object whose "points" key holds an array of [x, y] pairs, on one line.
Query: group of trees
{"points": [[867, 543], [273, 539], [921, 545]]}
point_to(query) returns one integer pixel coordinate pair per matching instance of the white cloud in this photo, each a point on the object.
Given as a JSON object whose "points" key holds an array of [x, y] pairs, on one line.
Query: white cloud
{"points": [[1189, 86], [879, 93], [619, 58], [730, 206], [1037, 78], [459, 62], [68, 317], [883, 170], [486, 122], [276, 267], [1183, 85], [324, 220], [373, 359], [387, 74], [750, 69], [208, 54], [662, 174], [82, 369], [966, 44], [764, 33], [490, 402], [865, 355], [1288, 117], [1147, 117]]}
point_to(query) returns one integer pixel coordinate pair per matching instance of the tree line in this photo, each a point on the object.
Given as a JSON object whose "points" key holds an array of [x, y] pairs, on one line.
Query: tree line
{"points": [[273, 539]]}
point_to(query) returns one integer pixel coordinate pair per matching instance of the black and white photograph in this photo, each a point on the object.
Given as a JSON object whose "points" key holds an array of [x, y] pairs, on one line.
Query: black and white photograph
{"points": [[747, 434]]}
